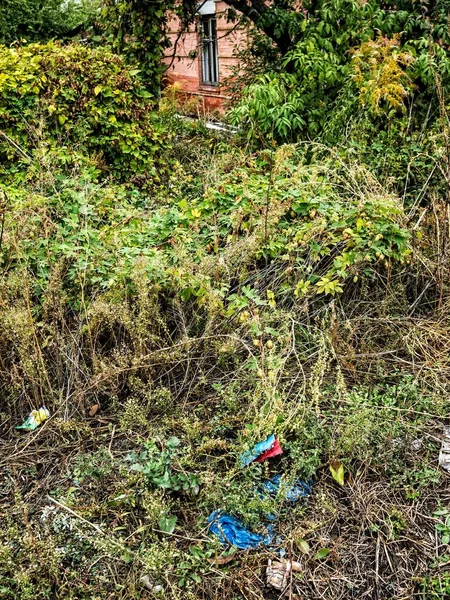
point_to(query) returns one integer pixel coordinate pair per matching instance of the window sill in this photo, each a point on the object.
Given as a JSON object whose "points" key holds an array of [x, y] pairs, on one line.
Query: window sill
{"points": [[209, 87]]}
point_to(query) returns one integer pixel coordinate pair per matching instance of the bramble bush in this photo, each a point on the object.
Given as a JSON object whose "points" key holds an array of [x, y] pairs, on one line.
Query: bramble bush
{"points": [[320, 225]]}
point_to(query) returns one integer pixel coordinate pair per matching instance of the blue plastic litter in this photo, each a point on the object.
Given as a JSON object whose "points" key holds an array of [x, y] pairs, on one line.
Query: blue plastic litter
{"points": [[251, 455], [231, 531], [300, 489]]}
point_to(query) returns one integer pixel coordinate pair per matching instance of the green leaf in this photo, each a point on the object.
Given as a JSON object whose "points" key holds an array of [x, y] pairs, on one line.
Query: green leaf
{"points": [[303, 546], [271, 331], [173, 442], [322, 553], [137, 467], [196, 551], [163, 481], [168, 523], [337, 471], [441, 512], [127, 557]]}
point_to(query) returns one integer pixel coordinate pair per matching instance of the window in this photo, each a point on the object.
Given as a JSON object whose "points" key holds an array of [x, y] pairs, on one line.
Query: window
{"points": [[210, 61]]}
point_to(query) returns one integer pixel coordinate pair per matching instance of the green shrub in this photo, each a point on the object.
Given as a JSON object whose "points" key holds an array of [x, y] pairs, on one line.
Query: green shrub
{"points": [[157, 466], [65, 99], [322, 225], [321, 222]]}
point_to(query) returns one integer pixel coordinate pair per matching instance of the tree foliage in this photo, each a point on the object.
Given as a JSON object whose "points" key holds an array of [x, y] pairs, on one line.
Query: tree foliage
{"points": [[41, 20], [361, 75], [302, 87], [340, 20], [379, 69]]}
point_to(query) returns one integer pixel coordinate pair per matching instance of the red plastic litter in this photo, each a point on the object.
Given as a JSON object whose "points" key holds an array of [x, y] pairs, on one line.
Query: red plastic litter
{"points": [[276, 450]]}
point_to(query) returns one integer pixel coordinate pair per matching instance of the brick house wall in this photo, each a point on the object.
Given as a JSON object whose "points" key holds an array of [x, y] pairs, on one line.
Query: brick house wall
{"points": [[185, 59]]}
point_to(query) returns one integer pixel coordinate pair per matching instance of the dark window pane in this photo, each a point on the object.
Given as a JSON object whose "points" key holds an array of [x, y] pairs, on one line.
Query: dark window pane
{"points": [[210, 63]]}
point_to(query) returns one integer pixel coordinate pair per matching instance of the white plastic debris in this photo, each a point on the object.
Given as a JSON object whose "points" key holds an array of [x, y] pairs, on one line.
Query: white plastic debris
{"points": [[417, 444], [146, 582], [217, 126], [444, 454], [278, 572]]}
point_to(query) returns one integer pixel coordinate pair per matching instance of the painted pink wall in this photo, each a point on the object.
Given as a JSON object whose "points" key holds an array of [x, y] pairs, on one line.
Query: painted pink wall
{"points": [[186, 71]]}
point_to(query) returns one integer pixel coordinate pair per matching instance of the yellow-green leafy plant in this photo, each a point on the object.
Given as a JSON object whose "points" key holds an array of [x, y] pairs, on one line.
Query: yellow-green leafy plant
{"points": [[380, 70], [58, 99]]}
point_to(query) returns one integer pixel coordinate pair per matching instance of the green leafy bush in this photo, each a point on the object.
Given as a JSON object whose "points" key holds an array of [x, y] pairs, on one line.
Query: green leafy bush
{"points": [[57, 99], [296, 96], [321, 225], [157, 466], [321, 222]]}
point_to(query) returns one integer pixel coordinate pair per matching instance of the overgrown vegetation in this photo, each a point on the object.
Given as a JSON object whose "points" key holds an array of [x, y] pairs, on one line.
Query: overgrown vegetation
{"points": [[174, 296]]}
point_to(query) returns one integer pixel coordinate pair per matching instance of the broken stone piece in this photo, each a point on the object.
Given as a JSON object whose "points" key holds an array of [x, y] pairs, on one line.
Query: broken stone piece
{"points": [[444, 454]]}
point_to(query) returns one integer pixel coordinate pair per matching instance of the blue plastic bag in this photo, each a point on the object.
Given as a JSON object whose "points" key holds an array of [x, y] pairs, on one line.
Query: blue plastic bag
{"points": [[231, 531], [300, 489]]}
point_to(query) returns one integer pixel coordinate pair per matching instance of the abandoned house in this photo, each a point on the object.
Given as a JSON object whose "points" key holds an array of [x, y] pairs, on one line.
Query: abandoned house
{"points": [[201, 59]]}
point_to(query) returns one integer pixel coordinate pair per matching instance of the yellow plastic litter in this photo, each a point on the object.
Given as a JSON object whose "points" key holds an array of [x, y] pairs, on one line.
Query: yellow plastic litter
{"points": [[35, 418]]}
